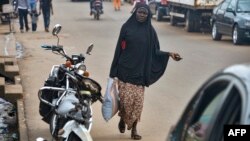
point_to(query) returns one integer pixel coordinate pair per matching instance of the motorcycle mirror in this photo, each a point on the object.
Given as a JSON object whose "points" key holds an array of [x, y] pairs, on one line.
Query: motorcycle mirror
{"points": [[90, 48], [57, 28]]}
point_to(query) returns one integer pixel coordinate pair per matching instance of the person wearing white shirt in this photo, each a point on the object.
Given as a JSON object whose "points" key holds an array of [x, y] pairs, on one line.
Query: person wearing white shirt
{"points": [[23, 9]]}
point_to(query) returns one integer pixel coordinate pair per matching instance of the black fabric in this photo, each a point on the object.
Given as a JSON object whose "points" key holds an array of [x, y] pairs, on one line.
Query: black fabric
{"points": [[141, 62], [44, 109], [45, 3], [4, 2]]}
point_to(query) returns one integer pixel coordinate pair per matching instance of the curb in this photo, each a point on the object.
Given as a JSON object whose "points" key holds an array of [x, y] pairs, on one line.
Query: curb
{"points": [[13, 92], [22, 128], [10, 70]]}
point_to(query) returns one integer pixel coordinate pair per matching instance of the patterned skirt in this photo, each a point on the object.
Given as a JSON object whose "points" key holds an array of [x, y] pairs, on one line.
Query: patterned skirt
{"points": [[131, 102]]}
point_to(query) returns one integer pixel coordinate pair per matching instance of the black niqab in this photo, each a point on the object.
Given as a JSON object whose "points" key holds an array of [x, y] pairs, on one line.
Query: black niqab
{"points": [[140, 62]]}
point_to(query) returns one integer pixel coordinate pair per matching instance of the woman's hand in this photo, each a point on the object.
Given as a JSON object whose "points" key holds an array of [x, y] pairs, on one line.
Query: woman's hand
{"points": [[175, 56]]}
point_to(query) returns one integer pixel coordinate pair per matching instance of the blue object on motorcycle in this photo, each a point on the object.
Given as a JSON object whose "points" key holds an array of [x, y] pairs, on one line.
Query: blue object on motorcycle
{"points": [[67, 104]]}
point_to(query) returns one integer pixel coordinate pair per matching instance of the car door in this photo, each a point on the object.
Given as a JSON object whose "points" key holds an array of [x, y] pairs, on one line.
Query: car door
{"points": [[220, 16], [229, 16], [233, 111], [203, 111]]}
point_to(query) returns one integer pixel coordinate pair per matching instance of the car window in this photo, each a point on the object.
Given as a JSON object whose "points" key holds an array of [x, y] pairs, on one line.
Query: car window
{"points": [[243, 6], [225, 107], [209, 106], [217, 8], [232, 4], [200, 108], [229, 114], [225, 5]]}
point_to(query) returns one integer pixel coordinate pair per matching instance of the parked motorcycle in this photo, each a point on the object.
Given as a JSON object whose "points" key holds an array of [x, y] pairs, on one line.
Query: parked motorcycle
{"points": [[97, 9], [67, 95]]}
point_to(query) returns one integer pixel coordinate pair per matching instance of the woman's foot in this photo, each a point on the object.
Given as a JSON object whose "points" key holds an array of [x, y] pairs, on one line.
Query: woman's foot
{"points": [[122, 126], [134, 134]]}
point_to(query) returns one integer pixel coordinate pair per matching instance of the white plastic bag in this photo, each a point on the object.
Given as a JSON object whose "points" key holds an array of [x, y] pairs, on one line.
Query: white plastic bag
{"points": [[111, 100]]}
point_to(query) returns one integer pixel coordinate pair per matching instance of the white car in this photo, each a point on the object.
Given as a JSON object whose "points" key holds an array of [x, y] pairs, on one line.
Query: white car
{"points": [[223, 100]]}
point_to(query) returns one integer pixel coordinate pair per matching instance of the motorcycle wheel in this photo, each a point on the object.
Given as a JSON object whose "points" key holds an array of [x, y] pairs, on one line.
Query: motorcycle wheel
{"points": [[73, 137]]}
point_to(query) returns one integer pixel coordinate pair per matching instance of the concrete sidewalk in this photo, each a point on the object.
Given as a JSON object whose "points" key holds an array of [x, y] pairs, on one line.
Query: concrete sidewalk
{"points": [[7, 41], [8, 52]]}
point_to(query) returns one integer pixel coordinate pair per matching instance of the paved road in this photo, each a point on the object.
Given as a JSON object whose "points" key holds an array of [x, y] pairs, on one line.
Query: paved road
{"points": [[164, 100]]}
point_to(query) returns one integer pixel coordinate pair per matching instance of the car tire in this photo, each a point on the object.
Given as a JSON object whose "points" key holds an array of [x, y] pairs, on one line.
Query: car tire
{"points": [[189, 25], [158, 15], [215, 34], [237, 35], [197, 24], [173, 21]]}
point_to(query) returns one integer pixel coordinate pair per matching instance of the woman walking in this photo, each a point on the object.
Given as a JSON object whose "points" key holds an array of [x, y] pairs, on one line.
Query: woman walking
{"points": [[137, 62]]}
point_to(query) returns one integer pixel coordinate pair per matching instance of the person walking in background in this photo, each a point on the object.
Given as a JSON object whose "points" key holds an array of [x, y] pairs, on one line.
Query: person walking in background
{"points": [[32, 4], [23, 9], [117, 4], [138, 1], [34, 18], [94, 3], [138, 62], [47, 9], [90, 6]]}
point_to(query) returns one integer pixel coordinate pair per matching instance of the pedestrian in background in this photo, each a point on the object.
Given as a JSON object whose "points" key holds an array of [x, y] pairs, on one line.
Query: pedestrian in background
{"points": [[23, 9], [138, 1], [34, 18], [94, 3], [138, 62], [47, 9], [117, 4], [32, 4]]}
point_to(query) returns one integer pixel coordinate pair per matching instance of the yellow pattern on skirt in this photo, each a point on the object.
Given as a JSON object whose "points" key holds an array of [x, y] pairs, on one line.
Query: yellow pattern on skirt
{"points": [[131, 102]]}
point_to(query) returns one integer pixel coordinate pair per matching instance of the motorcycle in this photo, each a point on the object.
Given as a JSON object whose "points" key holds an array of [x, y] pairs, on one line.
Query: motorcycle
{"points": [[97, 9], [67, 96]]}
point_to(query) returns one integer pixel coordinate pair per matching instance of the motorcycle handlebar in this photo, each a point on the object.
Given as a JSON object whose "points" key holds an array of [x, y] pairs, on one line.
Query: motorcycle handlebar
{"points": [[53, 48], [101, 99], [58, 49], [46, 46]]}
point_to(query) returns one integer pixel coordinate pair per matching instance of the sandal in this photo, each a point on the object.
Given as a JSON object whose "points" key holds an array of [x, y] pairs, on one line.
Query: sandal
{"points": [[121, 126], [134, 134]]}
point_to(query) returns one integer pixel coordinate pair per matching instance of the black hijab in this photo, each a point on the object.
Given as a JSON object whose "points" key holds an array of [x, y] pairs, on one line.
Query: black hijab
{"points": [[138, 59]]}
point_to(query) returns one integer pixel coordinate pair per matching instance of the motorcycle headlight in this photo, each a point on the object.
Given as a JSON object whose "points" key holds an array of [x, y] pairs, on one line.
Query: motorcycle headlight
{"points": [[81, 68]]}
